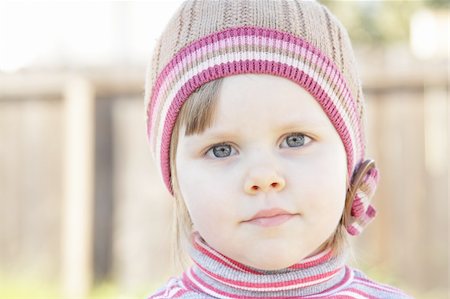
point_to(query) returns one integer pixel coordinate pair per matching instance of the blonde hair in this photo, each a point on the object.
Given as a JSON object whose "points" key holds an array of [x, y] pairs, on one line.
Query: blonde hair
{"points": [[197, 114]]}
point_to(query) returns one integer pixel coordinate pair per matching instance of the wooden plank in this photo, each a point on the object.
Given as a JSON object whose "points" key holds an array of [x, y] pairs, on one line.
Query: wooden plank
{"points": [[78, 187]]}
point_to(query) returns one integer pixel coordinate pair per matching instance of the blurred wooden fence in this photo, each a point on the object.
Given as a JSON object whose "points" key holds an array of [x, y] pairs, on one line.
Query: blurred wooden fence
{"points": [[81, 202]]}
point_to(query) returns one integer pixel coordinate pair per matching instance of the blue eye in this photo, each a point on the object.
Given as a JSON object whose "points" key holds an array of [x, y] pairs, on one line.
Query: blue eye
{"points": [[296, 140], [220, 150]]}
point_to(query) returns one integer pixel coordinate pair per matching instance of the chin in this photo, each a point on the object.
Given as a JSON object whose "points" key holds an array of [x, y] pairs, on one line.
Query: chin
{"points": [[273, 258]]}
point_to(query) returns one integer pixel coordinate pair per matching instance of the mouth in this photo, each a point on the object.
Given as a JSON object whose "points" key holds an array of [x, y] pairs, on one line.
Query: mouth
{"points": [[269, 218]]}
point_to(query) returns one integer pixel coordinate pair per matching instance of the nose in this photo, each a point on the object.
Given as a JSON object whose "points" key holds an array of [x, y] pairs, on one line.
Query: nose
{"points": [[263, 179]]}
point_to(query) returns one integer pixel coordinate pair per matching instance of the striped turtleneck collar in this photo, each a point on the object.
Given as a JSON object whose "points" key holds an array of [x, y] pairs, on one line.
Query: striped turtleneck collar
{"points": [[220, 277]]}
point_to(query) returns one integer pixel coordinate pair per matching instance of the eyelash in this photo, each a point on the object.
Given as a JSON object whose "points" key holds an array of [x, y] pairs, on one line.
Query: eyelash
{"points": [[285, 138]]}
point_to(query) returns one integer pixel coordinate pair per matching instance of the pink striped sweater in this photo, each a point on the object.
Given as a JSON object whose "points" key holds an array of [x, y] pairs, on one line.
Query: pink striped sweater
{"points": [[320, 276]]}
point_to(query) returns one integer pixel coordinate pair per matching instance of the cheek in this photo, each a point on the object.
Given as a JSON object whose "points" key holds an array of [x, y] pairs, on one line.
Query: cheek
{"points": [[204, 194], [320, 183]]}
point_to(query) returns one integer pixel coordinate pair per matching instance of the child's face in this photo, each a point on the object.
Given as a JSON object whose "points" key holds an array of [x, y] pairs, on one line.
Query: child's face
{"points": [[264, 162]]}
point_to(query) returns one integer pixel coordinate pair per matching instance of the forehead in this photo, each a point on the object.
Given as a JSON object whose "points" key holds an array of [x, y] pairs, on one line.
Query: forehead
{"points": [[266, 100]]}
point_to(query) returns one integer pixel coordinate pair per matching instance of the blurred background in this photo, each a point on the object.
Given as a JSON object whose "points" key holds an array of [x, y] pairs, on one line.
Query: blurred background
{"points": [[83, 213]]}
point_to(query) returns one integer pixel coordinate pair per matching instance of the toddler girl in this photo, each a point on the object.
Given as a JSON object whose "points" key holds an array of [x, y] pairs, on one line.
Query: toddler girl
{"points": [[255, 118]]}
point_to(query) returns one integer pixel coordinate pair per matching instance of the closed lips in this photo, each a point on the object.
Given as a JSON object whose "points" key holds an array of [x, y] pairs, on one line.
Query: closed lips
{"points": [[270, 213]]}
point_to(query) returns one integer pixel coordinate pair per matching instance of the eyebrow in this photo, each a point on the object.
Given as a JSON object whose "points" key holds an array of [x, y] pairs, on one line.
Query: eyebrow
{"points": [[306, 124], [219, 135]]}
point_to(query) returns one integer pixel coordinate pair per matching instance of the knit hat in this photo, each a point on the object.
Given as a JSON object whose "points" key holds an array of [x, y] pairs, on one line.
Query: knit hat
{"points": [[298, 40]]}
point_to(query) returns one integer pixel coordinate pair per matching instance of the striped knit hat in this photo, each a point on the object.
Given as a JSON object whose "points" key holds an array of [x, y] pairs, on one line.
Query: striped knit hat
{"points": [[298, 40]]}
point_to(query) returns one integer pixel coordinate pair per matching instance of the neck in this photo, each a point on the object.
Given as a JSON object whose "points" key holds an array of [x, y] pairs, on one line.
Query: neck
{"points": [[218, 275]]}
